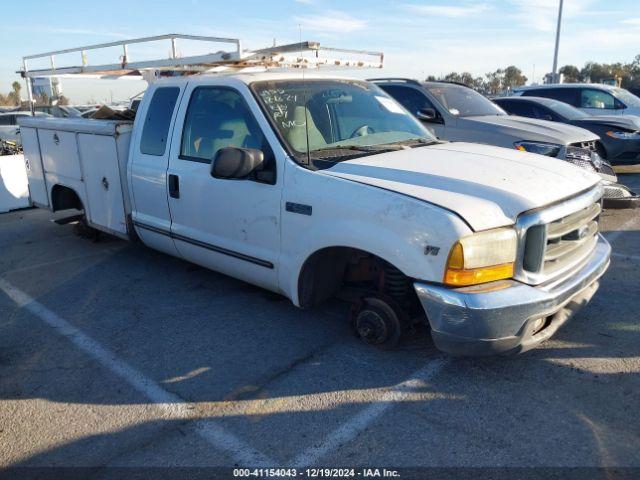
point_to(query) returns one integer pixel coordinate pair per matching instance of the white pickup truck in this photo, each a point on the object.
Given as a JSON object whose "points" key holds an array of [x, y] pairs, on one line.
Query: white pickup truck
{"points": [[322, 186]]}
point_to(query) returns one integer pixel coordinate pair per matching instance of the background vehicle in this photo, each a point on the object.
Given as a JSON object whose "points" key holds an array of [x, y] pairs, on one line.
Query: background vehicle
{"points": [[60, 111], [322, 186], [456, 112], [619, 135], [9, 129], [596, 99]]}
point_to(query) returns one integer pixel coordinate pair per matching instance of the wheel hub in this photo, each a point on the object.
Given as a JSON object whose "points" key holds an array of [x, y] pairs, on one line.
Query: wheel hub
{"points": [[371, 326]]}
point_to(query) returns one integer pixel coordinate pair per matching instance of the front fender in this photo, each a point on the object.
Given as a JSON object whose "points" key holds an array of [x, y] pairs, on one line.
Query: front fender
{"points": [[343, 213]]}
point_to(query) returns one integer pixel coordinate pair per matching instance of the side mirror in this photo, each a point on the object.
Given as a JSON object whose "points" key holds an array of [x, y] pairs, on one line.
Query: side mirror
{"points": [[428, 115], [236, 162]]}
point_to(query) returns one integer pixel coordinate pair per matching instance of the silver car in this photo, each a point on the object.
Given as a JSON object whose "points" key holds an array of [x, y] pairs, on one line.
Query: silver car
{"points": [[456, 112]]}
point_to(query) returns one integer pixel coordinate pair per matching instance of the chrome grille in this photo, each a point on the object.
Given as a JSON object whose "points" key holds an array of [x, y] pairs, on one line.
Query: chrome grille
{"points": [[570, 239], [556, 239], [586, 155], [590, 145], [578, 154]]}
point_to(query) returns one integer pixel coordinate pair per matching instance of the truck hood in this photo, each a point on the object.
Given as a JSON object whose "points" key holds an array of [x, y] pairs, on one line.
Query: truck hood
{"points": [[487, 186], [523, 128]]}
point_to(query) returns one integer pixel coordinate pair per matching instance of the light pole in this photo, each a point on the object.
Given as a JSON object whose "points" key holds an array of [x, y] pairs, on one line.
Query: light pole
{"points": [[556, 78]]}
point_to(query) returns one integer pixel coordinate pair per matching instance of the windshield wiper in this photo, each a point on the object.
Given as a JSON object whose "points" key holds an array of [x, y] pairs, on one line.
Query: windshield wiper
{"points": [[359, 148], [413, 143]]}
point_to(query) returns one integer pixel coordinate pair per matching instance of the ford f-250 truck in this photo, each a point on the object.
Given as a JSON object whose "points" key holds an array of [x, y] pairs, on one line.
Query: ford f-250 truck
{"points": [[321, 186]]}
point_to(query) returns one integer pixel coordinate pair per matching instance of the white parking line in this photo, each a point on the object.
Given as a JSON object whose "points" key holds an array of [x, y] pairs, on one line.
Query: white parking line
{"points": [[174, 405], [350, 429], [61, 260]]}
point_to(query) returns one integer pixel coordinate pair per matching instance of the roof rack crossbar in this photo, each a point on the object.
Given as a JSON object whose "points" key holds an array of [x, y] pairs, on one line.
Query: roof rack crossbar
{"points": [[290, 55], [281, 56], [125, 65], [168, 36]]}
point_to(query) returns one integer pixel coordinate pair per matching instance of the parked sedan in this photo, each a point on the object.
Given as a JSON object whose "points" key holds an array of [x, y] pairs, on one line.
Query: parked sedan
{"points": [[619, 135]]}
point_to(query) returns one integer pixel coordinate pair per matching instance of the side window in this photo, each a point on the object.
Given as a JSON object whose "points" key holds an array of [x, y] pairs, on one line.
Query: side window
{"points": [[566, 95], [410, 98], [523, 109], [218, 118], [543, 113], [156, 123], [597, 99], [6, 119]]}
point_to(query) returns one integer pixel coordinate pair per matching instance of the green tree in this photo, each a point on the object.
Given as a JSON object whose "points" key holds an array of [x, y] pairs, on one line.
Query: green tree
{"points": [[453, 77], [571, 74], [513, 78], [14, 96], [494, 82]]}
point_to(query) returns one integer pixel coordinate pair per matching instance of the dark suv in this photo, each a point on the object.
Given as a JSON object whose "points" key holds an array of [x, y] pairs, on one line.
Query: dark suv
{"points": [[595, 99]]}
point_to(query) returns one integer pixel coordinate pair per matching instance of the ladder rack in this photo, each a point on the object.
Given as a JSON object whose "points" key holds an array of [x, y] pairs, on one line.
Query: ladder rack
{"points": [[294, 55], [306, 54]]}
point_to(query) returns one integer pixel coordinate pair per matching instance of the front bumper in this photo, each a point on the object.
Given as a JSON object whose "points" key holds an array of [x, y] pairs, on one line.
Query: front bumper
{"points": [[480, 321]]}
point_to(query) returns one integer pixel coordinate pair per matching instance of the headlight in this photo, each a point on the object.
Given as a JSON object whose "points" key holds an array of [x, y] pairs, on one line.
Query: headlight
{"points": [[482, 257], [548, 149], [624, 135]]}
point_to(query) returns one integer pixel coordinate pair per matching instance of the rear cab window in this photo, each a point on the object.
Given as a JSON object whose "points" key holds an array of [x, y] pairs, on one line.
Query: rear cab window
{"points": [[158, 118]]}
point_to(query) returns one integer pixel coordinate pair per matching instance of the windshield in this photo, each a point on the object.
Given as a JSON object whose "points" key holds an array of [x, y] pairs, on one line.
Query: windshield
{"points": [[463, 101], [565, 110], [335, 116], [628, 98]]}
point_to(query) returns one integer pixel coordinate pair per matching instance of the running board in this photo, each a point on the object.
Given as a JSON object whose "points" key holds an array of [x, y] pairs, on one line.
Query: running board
{"points": [[67, 220]]}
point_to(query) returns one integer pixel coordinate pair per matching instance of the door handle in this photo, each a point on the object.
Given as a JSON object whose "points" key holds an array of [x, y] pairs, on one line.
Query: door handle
{"points": [[174, 186]]}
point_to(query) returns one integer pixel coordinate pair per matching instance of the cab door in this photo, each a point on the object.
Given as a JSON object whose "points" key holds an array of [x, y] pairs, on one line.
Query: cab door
{"points": [[229, 225], [148, 163]]}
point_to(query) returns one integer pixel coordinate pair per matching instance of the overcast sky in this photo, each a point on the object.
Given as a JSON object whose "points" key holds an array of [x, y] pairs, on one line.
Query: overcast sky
{"points": [[418, 38]]}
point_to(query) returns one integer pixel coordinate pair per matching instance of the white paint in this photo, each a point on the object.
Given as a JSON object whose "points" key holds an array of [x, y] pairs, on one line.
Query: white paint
{"points": [[14, 186], [488, 186], [350, 429], [175, 406]]}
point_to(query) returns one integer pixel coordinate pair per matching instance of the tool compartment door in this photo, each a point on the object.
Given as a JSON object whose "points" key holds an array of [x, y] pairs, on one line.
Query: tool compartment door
{"points": [[101, 172], [33, 163]]}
